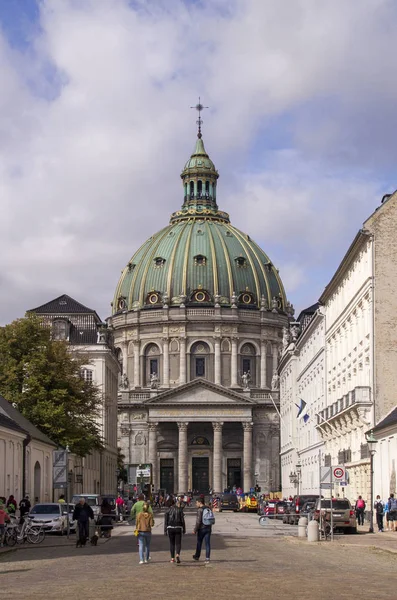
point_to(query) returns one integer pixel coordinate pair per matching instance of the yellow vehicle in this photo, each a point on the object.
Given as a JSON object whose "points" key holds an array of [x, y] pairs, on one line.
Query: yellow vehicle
{"points": [[248, 502]]}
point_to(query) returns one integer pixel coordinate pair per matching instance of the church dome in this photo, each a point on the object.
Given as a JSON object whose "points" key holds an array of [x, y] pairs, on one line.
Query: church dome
{"points": [[199, 259]]}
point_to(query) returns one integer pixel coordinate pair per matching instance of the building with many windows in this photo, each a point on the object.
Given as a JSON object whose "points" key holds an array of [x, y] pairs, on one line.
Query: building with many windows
{"points": [[197, 319], [87, 335]]}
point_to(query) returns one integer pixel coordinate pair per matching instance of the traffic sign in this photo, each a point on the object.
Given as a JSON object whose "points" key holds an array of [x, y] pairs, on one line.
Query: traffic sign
{"points": [[338, 473], [59, 458], [325, 476], [59, 475]]}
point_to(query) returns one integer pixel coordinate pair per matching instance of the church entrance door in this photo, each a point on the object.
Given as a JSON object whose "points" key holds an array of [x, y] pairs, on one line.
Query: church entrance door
{"points": [[234, 472], [167, 475], [200, 470]]}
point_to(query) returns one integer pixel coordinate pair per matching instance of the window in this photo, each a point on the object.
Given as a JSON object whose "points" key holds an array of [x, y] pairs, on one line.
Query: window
{"points": [[241, 261], [60, 330], [154, 366], [246, 365], [87, 374], [200, 367], [199, 188], [200, 260], [192, 189], [159, 262], [207, 188]]}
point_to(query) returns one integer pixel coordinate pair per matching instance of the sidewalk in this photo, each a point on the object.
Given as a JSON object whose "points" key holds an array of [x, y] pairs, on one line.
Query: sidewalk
{"points": [[386, 541], [50, 541]]}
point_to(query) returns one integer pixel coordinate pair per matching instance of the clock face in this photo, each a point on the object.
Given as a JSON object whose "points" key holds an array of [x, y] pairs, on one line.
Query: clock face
{"points": [[153, 298]]}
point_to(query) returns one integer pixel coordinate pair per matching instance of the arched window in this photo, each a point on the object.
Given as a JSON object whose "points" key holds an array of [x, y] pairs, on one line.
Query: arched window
{"points": [[60, 329], [152, 363], [200, 366], [248, 363], [192, 189], [199, 188], [207, 188], [200, 260]]}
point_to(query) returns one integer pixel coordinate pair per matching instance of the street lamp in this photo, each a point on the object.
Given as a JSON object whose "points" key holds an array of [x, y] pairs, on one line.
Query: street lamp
{"points": [[371, 441]]}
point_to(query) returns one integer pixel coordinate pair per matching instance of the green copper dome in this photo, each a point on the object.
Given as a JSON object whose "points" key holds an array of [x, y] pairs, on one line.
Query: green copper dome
{"points": [[200, 259]]}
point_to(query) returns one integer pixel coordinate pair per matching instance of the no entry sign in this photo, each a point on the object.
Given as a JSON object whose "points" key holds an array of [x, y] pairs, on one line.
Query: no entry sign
{"points": [[338, 473]]}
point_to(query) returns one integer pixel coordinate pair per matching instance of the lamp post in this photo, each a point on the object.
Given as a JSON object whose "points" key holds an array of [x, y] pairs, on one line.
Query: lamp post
{"points": [[371, 441]]}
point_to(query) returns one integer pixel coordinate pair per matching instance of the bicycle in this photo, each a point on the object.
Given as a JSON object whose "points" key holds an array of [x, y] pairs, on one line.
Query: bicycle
{"points": [[28, 532]]}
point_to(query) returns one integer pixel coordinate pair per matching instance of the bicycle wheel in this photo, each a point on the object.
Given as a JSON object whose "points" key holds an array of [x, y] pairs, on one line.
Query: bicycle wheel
{"points": [[35, 536], [11, 537]]}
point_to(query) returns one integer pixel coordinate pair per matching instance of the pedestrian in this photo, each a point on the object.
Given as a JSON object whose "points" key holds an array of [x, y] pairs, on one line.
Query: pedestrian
{"points": [[174, 527], [120, 504], [105, 521], [387, 514], [61, 499], [11, 505], [203, 528], [144, 524], [3, 518], [138, 507], [360, 508], [24, 508], [82, 514], [378, 506], [392, 503]]}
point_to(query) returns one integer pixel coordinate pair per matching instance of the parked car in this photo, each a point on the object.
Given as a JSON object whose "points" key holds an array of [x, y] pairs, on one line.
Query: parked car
{"points": [[52, 516], [229, 502], [293, 512], [343, 514], [94, 500]]}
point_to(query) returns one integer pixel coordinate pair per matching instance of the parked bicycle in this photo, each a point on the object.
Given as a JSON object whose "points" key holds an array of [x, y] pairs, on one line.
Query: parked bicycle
{"points": [[26, 532]]}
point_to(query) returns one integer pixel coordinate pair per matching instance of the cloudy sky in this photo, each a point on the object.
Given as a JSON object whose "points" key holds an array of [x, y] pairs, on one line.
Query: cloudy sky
{"points": [[95, 127]]}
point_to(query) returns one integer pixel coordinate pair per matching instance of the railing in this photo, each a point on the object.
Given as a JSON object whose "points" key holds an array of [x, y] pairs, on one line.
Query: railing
{"points": [[249, 313], [151, 314], [200, 312]]}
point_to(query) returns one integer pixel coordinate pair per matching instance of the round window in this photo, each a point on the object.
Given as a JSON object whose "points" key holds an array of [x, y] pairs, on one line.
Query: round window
{"points": [[199, 296], [246, 299], [153, 298]]}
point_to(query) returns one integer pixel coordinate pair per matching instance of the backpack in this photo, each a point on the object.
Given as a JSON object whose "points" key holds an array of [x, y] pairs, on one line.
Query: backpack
{"points": [[360, 504], [392, 504], [208, 516]]}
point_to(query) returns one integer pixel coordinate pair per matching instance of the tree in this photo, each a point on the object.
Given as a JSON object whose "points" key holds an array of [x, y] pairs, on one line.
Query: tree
{"points": [[44, 380]]}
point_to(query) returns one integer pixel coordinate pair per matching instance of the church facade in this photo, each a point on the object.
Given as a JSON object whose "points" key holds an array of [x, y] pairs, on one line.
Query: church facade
{"points": [[197, 320]]}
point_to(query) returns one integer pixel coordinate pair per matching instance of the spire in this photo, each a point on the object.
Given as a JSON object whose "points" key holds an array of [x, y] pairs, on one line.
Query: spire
{"points": [[199, 107]]}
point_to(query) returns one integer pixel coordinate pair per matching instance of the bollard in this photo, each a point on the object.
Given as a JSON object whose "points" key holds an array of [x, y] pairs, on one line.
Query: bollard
{"points": [[313, 531], [302, 524]]}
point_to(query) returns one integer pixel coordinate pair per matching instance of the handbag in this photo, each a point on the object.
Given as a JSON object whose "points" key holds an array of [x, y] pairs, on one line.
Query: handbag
{"points": [[136, 532]]}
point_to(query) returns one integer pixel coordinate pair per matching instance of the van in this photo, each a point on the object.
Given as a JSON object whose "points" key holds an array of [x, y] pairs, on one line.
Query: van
{"points": [[93, 500]]}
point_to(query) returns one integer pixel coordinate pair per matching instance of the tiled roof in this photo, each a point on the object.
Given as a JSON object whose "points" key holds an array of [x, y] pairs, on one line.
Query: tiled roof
{"points": [[62, 305], [10, 424], [390, 419], [12, 413]]}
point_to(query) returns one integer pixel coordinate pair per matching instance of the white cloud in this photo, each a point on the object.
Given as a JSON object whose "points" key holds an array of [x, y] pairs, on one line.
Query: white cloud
{"points": [[95, 128]]}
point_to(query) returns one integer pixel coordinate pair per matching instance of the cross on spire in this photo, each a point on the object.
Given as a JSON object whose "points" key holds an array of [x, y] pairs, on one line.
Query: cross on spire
{"points": [[199, 107]]}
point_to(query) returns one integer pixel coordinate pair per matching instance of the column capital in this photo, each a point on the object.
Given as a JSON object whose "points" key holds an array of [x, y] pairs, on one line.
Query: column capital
{"points": [[153, 426], [247, 426], [182, 426], [217, 426]]}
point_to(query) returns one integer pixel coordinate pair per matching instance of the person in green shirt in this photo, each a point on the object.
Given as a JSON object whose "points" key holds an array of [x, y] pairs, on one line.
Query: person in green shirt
{"points": [[138, 507]]}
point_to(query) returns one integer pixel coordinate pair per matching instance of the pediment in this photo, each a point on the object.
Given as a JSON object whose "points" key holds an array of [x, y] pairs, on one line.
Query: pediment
{"points": [[201, 393]]}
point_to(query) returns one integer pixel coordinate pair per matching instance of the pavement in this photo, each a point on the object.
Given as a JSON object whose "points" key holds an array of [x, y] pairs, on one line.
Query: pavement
{"points": [[246, 559]]}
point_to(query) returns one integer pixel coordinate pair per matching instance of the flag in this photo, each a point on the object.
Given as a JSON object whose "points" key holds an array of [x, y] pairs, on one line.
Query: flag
{"points": [[302, 413]]}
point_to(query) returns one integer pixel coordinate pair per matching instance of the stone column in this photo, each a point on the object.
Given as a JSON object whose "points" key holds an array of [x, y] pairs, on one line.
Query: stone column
{"points": [[166, 363], [137, 379], [275, 357], [247, 427], [182, 360], [263, 363], [124, 349], [217, 464], [153, 452], [234, 362], [217, 345], [182, 458]]}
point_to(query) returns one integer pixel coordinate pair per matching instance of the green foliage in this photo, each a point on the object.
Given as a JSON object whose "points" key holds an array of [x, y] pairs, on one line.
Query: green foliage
{"points": [[44, 380]]}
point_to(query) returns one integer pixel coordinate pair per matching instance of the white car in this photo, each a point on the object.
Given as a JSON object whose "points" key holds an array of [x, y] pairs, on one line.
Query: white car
{"points": [[52, 516]]}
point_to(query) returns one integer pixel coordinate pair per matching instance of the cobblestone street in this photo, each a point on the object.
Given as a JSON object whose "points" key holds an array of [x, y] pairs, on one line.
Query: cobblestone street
{"points": [[246, 560]]}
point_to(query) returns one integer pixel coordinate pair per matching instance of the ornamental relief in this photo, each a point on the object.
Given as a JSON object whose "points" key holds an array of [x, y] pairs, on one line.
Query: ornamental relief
{"points": [[140, 439]]}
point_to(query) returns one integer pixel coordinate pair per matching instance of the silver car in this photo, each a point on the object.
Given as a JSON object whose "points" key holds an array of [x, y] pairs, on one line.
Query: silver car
{"points": [[52, 516]]}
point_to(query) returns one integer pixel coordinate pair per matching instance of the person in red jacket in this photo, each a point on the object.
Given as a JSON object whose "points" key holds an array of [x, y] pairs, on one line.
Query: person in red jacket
{"points": [[120, 505]]}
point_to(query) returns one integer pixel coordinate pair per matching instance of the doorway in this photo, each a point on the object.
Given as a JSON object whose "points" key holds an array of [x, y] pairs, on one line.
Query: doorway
{"points": [[200, 471], [234, 472], [167, 475], [37, 482]]}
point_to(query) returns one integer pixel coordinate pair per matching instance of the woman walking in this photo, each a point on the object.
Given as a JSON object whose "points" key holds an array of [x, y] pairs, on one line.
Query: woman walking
{"points": [[174, 527], [105, 522], [143, 524]]}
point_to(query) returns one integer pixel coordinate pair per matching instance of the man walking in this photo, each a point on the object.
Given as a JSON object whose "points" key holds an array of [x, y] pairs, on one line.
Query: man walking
{"points": [[378, 506], [203, 528], [120, 504], [392, 512], [82, 514], [138, 507]]}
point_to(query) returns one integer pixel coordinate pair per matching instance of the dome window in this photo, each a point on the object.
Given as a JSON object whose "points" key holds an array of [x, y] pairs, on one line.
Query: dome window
{"points": [[192, 189], [159, 262], [153, 298], [200, 296], [241, 262], [121, 303], [269, 266], [228, 234], [200, 260], [246, 298]]}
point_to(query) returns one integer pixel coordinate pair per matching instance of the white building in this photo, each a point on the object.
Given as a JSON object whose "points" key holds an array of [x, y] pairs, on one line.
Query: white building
{"points": [[385, 457], [25, 457], [359, 360], [302, 378]]}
